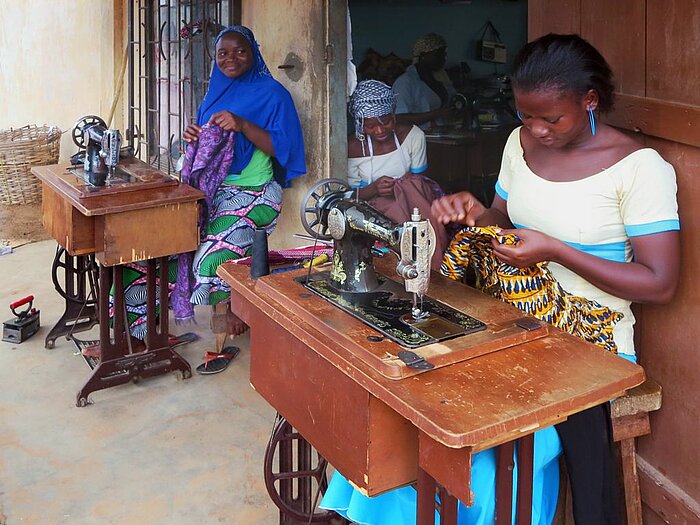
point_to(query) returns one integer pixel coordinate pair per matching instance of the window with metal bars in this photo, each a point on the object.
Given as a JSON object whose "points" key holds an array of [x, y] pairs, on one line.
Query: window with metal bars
{"points": [[171, 52]]}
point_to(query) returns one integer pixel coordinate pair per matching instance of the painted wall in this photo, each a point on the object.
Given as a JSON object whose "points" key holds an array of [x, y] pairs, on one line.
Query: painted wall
{"points": [[56, 63], [394, 25], [296, 32]]}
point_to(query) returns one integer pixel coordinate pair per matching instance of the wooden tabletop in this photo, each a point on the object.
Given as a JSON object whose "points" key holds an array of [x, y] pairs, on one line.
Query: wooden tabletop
{"points": [[117, 223], [149, 197], [481, 402]]}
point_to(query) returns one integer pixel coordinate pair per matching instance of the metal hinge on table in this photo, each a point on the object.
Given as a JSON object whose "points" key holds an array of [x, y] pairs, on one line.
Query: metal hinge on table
{"points": [[413, 360]]}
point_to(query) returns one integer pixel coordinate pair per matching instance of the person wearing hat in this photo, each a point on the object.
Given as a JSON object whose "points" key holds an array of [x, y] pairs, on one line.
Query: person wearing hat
{"points": [[424, 90]]}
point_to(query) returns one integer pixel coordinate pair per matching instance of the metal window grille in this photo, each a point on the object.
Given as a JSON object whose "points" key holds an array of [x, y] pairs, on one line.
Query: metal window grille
{"points": [[171, 52]]}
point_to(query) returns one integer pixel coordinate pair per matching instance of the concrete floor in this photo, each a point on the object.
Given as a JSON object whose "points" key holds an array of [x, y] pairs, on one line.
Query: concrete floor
{"points": [[162, 451]]}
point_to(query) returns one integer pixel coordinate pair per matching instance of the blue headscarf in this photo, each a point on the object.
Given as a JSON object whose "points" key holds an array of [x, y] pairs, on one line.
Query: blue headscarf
{"points": [[259, 98]]}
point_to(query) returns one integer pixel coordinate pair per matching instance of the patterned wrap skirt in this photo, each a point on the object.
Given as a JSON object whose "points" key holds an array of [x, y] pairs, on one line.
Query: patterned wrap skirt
{"points": [[236, 212], [134, 276], [233, 217]]}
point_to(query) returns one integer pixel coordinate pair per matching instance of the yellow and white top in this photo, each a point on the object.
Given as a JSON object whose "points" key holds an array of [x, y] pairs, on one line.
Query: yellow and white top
{"points": [[597, 215]]}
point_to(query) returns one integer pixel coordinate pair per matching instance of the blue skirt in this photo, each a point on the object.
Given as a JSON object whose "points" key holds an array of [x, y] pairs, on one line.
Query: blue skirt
{"points": [[398, 507]]}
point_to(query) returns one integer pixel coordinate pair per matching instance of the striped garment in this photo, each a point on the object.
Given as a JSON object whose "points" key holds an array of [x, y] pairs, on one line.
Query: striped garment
{"points": [[233, 217], [599, 214], [533, 290]]}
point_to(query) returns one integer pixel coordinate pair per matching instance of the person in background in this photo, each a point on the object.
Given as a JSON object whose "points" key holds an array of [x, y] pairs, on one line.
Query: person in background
{"points": [[386, 160], [598, 206], [424, 90]]}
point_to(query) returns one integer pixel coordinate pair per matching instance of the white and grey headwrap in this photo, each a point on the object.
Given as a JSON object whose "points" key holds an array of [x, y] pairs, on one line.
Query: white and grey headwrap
{"points": [[370, 99], [427, 43]]}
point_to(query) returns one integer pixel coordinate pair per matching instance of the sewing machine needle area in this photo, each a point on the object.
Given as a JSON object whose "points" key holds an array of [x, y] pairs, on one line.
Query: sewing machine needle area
{"points": [[387, 309]]}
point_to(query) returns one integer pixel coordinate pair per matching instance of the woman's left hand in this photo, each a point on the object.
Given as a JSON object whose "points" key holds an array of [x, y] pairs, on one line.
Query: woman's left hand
{"points": [[532, 247], [228, 121]]}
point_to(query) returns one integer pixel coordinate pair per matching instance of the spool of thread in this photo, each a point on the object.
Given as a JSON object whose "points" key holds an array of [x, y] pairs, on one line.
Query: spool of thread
{"points": [[259, 265]]}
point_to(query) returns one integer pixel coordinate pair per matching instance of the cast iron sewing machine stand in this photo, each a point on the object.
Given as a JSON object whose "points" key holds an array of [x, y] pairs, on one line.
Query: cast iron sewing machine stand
{"points": [[79, 291], [113, 224]]}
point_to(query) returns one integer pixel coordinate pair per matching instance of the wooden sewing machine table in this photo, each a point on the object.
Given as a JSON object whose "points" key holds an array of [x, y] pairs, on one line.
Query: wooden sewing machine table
{"points": [[313, 363], [147, 218]]}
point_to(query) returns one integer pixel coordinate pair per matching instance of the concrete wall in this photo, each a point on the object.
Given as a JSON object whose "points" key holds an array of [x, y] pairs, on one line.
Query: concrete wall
{"points": [[303, 28], [56, 62]]}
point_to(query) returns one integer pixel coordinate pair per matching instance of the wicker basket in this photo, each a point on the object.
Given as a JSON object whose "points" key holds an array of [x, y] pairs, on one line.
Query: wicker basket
{"points": [[20, 149]]}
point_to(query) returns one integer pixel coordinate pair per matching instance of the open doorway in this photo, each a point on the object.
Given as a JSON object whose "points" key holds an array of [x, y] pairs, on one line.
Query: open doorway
{"points": [[482, 37]]}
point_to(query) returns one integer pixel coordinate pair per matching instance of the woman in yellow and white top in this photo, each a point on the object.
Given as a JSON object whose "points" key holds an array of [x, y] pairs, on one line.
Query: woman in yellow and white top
{"points": [[601, 215], [595, 204]]}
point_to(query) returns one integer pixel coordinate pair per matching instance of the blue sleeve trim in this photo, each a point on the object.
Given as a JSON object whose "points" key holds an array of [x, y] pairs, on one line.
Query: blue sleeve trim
{"points": [[419, 169], [503, 194], [613, 251], [636, 230]]}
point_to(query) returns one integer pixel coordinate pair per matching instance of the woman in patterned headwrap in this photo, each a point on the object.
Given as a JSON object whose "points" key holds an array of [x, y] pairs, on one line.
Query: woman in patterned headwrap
{"points": [[386, 160], [424, 90]]}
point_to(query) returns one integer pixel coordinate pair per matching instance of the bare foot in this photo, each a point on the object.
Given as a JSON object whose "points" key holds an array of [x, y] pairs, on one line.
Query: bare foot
{"points": [[235, 324]]}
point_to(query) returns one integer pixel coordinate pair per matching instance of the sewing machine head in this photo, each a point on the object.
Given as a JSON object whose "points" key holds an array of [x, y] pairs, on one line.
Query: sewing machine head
{"points": [[355, 227], [101, 146], [404, 314]]}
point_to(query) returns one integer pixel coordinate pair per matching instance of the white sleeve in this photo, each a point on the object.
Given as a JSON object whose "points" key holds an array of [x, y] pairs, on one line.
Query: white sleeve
{"points": [[354, 175], [510, 152], [648, 196], [417, 150], [404, 95]]}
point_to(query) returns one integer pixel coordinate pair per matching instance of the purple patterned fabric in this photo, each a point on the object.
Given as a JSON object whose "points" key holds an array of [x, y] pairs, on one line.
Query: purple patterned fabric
{"points": [[206, 165]]}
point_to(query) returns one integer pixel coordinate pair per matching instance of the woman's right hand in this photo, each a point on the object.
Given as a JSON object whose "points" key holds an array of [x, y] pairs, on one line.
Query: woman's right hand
{"points": [[384, 186], [460, 207], [191, 133]]}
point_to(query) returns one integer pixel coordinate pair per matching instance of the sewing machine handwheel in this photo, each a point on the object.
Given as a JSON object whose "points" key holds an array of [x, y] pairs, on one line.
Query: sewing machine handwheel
{"points": [[312, 206], [84, 122]]}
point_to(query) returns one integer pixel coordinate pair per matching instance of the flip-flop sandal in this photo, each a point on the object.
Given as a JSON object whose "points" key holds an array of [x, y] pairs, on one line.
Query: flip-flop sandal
{"points": [[92, 351], [215, 362], [182, 339]]}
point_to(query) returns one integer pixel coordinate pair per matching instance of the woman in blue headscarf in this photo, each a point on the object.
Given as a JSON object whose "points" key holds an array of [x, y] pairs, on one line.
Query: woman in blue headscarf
{"points": [[247, 144], [246, 120]]}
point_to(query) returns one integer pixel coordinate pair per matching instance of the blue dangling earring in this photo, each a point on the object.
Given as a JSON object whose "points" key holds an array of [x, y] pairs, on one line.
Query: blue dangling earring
{"points": [[520, 117], [591, 119]]}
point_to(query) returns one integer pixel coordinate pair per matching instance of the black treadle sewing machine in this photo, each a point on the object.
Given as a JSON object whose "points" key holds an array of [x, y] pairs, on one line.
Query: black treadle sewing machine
{"points": [[101, 149], [402, 313]]}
